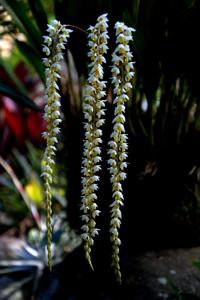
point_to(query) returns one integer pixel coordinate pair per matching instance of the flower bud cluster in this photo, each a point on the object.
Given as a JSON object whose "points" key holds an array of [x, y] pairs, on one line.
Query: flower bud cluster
{"points": [[93, 109], [122, 75], [54, 44]]}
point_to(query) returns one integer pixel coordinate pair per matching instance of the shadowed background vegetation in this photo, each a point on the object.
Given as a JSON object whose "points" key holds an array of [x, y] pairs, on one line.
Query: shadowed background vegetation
{"points": [[162, 203]]}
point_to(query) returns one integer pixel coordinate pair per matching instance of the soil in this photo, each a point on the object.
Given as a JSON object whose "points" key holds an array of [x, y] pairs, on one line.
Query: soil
{"points": [[167, 274]]}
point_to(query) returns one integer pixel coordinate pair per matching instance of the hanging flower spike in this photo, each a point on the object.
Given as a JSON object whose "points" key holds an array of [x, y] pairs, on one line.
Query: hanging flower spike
{"points": [[93, 109], [122, 71], [54, 43]]}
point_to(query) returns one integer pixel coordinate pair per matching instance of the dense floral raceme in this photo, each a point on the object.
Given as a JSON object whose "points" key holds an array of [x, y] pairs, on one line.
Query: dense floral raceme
{"points": [[93, 109], [122, 74], [54, 44]]}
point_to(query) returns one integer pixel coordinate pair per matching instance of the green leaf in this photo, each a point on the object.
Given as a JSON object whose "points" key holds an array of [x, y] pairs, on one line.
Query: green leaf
{"points": [[135, 10], [147, 9], [17, 96], [39, 14], [7, 67], [32, 57], [23, 21], [197, 264]]}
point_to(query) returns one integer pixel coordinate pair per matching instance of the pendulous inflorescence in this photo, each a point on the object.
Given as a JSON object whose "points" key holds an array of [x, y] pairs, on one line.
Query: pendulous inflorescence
{"points": [[122, 74], [93, 109], [54, 44]]}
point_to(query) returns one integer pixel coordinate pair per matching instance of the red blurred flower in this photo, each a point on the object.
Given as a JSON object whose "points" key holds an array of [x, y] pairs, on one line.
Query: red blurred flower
{"points": [[17, 124]]}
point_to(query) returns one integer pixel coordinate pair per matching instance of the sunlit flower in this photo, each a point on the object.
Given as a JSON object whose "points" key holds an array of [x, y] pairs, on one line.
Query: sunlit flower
{"points": [[93, 109], [54, 42], [122, 74]]}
